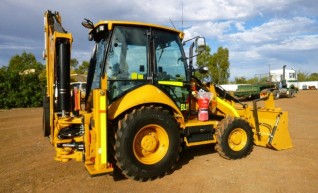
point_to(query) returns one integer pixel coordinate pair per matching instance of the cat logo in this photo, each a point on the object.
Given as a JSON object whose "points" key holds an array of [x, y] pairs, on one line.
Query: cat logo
{"points": [[184, 106]]}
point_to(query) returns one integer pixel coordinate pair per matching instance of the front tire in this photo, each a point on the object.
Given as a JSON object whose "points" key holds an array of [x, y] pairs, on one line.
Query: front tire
{"points": [[234, 138], [276, 94], [147, 143]]}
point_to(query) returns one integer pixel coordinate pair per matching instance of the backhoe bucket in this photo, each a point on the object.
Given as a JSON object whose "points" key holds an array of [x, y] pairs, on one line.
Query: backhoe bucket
{"points": [[271, 125]]}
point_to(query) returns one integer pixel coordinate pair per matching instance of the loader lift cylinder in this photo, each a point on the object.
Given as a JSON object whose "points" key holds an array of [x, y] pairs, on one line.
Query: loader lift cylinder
{"points": [[63, 81]]}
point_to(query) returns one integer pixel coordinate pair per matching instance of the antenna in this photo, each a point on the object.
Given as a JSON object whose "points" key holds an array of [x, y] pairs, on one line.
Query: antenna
{"points": [[269, 73], [172, 23], [182, 17]]}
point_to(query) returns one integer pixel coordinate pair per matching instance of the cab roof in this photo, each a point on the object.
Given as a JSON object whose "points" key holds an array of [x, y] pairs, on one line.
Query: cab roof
{"points": [[111, 23]]}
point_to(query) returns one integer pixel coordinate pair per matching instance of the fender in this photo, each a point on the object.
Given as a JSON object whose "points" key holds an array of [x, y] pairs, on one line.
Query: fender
{"points": [[147, 94]]}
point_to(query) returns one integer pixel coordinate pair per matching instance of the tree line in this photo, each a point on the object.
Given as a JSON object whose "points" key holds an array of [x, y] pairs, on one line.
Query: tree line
{"points": [[23, 81], [219, 66], [301, 77]]}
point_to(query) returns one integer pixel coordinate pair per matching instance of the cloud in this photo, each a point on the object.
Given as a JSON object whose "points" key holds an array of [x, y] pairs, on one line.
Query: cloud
{"points": [[276, 42], [256, 32], [273, 42], [208, 29], [274, 30], [240, 26]]}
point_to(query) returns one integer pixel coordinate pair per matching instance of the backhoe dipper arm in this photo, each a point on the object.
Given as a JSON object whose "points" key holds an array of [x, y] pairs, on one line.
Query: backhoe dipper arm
{"points": [[57, 54]]}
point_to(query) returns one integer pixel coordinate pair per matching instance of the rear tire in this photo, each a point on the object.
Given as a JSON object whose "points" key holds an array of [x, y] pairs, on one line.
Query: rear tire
{"points": [[234, 138], [291, 93], [147, 143]]}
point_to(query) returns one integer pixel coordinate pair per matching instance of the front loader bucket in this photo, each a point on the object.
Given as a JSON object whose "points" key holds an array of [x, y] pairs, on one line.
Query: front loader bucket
{"points": [[271, 125], [281, 138]]}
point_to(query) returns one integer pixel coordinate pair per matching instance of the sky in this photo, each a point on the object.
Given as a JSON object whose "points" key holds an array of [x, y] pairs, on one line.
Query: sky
{"points": [[261, 35]]}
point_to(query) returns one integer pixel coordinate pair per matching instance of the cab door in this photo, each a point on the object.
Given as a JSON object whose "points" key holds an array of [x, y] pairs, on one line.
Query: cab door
{"points": [[171, 67]]}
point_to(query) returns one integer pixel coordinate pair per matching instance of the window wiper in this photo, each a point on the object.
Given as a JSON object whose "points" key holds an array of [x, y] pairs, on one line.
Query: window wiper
{"points": [[160, 55]]}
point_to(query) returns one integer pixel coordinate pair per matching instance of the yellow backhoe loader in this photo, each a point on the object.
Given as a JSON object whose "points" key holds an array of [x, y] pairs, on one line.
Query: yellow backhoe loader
{"points": [[143, 103]]}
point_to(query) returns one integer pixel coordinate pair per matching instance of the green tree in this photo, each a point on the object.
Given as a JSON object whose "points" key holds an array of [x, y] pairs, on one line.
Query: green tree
{"points": [[218, 65], [73, 64], [313, 77], [83, 68], [25, 61], [19, 87], [253, 80], [301, 76], [240, 80], [204, 59], [221, 72]]}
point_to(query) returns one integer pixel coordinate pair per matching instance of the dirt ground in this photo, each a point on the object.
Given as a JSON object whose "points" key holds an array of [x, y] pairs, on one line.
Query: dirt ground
{"points": [[27, 165]]}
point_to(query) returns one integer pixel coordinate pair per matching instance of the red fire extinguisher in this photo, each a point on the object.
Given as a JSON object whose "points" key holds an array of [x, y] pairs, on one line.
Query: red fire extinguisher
{"points": [[203, 111]]}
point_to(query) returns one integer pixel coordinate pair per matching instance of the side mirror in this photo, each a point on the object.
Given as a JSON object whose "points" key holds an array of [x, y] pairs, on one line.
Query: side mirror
{"points": [[200, 45], [203, 70], [88, 24]]}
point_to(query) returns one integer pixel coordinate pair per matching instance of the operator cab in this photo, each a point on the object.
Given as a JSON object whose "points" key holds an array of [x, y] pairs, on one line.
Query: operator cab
{"points": [[134, 54]]}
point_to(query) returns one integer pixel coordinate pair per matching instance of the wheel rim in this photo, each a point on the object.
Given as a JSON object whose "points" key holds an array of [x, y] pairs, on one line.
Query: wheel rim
{"points": [[237, 139], [150, 144]]}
